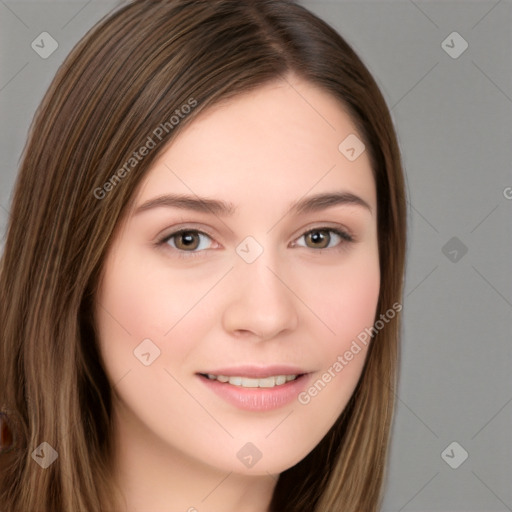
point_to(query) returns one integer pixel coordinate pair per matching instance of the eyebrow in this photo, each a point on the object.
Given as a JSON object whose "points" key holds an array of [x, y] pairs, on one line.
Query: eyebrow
{"points": [[309, 204]]}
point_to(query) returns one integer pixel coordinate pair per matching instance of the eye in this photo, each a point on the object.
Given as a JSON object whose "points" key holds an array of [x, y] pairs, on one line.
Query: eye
{"points": [[186, 241], [320, 237], [190, 242]]}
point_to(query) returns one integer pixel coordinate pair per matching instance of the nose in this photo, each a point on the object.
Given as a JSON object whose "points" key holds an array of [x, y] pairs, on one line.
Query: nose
{"points": [[260, 300]]}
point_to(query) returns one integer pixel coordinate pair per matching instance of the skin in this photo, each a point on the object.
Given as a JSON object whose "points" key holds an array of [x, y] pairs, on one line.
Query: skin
{"points": [[176, 440]]}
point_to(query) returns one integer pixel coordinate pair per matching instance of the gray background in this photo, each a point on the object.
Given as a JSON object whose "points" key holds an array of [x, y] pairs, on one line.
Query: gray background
{"points": [[454, 122]]}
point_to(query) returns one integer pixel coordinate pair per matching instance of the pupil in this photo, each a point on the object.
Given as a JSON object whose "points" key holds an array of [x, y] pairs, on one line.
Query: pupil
{"points": [[316, 236], [188, 238]]}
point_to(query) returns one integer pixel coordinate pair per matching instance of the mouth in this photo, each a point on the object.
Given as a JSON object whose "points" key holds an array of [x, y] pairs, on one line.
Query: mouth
{"points": [[271, 381], [256, 389]]}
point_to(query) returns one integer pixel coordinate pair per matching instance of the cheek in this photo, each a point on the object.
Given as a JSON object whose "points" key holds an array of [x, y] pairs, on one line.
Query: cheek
{"points": [[354, 308], [344, 300], [140, 301], [347, 306], [135, 298]]}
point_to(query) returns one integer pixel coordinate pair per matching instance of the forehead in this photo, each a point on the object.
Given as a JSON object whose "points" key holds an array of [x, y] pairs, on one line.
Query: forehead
{"points": [[274, 143]]}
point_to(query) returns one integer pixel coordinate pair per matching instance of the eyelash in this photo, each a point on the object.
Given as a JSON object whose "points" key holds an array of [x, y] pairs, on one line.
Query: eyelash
{"points": [[346, 238]]}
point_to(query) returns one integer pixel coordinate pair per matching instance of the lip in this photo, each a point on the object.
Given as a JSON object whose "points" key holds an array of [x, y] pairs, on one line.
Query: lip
{"points": [[257, 372], [258, 399]]}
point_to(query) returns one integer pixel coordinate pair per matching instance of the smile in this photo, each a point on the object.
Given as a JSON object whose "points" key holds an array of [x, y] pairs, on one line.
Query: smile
{"points": [[246, 382], [257, 393]]}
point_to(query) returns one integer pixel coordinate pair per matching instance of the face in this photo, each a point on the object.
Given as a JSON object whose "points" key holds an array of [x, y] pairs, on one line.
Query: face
{"points": [[254, 294]]}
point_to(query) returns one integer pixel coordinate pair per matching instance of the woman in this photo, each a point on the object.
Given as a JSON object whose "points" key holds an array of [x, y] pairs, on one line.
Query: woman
{"points": [[254, 373]]}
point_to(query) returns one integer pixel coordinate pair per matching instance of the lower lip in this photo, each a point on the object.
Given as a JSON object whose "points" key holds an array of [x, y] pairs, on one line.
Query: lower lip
{"points": [[258, 399]]}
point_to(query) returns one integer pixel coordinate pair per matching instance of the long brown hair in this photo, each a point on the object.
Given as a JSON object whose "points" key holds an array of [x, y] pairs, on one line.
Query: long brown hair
{"points": [[123, 80]]}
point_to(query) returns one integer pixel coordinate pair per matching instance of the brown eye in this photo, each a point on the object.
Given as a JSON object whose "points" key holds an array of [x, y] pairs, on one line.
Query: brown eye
{"points": [[186, 240], [187, 243], [320, 238]]}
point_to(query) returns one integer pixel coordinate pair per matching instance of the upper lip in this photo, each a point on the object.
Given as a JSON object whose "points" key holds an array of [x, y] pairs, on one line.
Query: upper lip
{"points": [[257, 372]]}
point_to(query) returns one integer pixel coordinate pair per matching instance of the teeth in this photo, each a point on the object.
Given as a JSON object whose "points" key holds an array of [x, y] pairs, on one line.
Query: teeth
{"points": [[246, 382]]}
